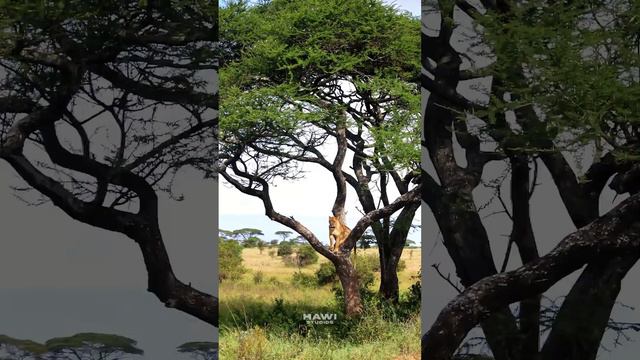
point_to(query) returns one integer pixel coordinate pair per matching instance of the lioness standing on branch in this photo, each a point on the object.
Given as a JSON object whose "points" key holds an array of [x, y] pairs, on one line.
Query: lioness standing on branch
{"points": [[338, 233]]}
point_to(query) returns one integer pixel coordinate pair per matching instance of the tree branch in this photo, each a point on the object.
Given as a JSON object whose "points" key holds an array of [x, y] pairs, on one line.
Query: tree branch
{"points": [[616, 232]]}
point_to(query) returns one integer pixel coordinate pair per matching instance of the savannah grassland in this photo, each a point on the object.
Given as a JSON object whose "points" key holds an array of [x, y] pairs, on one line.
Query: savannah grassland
{"points": [[247, 308]]}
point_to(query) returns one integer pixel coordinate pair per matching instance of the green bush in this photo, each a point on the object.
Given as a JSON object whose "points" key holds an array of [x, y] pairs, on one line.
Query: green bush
{"points": [[306, 255], [371, 262], [326, 274], [251, 242], [230, 260], [365, 266], [285, 248], [300, 279]]}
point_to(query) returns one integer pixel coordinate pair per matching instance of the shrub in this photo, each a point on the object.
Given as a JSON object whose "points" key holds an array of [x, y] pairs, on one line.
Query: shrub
{"points": [[370, 262], [326, 274], [230, 260], [258, 277], [261, 245], [365, 266], [300, 279], [252, 344], [306, 255], [402, 265], [285, 248], [251, 242]]}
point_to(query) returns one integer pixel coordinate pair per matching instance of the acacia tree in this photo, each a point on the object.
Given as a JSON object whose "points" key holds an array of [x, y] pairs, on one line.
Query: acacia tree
{"points": [[200, 350], [82, 346], [564, 77], [19, 349], [312, 82], [99, 121]]}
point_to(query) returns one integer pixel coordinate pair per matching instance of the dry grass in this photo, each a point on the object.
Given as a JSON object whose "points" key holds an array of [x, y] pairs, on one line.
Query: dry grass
{"points": [[243, 301]]}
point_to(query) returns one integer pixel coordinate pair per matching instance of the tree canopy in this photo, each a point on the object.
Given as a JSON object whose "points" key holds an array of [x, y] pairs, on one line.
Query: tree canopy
{"points": [[557, 83], [91, 346], [101, 104], [311, 81]]}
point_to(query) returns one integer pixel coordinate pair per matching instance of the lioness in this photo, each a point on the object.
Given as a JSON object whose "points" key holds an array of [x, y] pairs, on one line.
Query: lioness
{"points": [[338, 233]]}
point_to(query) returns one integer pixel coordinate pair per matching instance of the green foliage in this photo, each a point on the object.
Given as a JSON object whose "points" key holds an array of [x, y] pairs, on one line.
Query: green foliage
{"points": [[261, 245], [288, 49], [230, 260], [576, 67], [85, 345], [23, 348], [200, 349], [365, 267], [106, 342], [251, 242], [285, 234], [306, 255], [285, 248], [300, 279], [326, 274]]}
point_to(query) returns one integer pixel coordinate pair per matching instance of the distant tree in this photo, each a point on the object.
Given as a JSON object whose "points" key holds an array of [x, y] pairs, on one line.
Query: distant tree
{"points": [[18, 349], [230, 260], [410, 243], [251, 242], [81, 346], [226, 234], [285, 234], [200, 350], [261, 245], [92, 346], [273, 242], [245, 233], [299, 240], [367, 239]]}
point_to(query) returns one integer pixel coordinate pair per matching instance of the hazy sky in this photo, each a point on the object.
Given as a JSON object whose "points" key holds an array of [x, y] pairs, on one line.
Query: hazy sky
{"points": [[59, 277]]}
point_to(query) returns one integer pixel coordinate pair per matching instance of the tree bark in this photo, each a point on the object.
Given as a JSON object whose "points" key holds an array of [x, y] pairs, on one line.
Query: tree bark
{"points": [[522, 235], [583, 317], [616, 233], [390, 252], [350, 286]]}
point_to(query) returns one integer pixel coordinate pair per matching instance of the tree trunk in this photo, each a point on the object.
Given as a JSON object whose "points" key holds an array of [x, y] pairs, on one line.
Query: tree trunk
{"points": [[582, 320], [350, 286], [389, 289], [390, 251]]}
